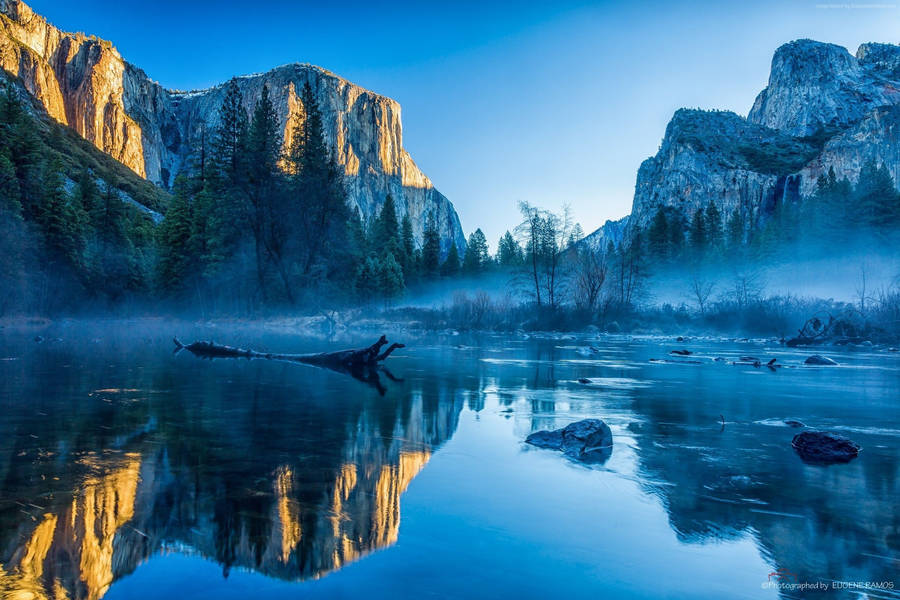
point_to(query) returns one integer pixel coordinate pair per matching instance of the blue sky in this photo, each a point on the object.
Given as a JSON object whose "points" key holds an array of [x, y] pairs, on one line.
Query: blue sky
{"points": [[552, 102]]}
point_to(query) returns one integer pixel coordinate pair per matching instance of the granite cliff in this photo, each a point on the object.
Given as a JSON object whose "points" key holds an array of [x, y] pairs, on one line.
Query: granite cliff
{"points": [[84, 82], [823, 108]]}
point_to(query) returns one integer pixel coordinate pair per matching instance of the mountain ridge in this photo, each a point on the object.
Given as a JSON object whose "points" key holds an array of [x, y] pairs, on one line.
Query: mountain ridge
{"points": [[85, 83], [823, 108]]}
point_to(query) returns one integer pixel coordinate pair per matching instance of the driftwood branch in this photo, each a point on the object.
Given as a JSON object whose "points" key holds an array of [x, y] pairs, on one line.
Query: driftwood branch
{"points": [[360, 363]]}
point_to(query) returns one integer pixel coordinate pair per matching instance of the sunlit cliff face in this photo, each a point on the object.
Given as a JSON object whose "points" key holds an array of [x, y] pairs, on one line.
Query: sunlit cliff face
{"points": [[79, 80]]}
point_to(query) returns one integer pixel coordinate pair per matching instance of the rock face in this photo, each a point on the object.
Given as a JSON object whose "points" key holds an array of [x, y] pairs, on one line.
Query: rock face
{"points": [[84, 83], [823, 108], [589, 440], [822, 447], [611, 231]]}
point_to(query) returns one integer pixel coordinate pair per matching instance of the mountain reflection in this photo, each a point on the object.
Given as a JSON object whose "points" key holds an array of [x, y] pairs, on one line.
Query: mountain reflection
{"points": [[242, 471], [837, 523]]}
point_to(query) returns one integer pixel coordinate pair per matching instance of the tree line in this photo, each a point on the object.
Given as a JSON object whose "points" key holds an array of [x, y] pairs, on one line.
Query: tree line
{"points": [[838, 214]]}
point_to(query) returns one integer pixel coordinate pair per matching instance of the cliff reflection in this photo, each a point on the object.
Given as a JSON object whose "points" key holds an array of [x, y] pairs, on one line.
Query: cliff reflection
{"points": [[242, 472], [836, 523]]}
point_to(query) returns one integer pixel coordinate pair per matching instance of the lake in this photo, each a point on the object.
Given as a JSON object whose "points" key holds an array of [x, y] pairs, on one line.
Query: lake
{"points": [[127, 471]]}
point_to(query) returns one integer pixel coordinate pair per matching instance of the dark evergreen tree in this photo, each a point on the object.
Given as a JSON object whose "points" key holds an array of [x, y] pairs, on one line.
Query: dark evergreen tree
{"points": [[231, 135], [450, 266], [408, 247], [715, 235], [699, 239], [174, 235], [658, 236], [390, 278], [477, 257], [509, 252], [431, 249], [61, 221], [386, 232], [876, 200], [318, 186]]}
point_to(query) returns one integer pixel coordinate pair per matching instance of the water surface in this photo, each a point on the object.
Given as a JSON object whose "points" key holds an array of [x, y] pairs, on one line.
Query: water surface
{"points": [[130, 472]]}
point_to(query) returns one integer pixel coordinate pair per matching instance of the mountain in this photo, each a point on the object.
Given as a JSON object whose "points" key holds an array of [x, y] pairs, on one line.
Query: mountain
{"points": [[823, 109], [84, 82], [610, 232]]}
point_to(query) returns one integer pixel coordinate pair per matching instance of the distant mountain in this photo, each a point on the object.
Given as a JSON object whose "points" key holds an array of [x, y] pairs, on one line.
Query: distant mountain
{"points": [[610, 232], [84, 82], [823, 109]]}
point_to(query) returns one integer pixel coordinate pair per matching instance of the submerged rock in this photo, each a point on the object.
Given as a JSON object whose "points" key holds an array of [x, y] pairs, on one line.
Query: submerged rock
{"points": [[824, 448], [818, 359], [793, 423], [584, 380], [740, 481], [681, 352], [590, 439]]}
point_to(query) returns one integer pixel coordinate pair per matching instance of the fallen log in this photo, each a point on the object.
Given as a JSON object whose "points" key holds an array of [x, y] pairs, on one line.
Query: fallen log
{"points": [[360, 363]]}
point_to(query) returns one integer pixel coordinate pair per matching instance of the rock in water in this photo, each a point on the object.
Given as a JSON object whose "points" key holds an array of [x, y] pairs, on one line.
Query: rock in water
{"points": [[818, 359], [589, 439], [824, 448], [794, 423], [546, 439]]}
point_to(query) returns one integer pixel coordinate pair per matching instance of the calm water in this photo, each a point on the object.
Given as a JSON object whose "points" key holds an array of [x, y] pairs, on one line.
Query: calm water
{"points": [[127, 472]]}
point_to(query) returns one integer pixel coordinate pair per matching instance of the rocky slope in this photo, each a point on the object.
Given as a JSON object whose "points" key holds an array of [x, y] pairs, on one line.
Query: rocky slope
{"points": [[823, 108], [85, 83]]}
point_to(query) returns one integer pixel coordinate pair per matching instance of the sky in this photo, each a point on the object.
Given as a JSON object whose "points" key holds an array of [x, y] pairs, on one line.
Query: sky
{"points": [[554, 103]]}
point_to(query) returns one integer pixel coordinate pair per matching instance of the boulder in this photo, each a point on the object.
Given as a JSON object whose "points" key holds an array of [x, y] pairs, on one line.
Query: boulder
{"points": [[589, 439], [824, 448], [818, 359], [794, 423]]}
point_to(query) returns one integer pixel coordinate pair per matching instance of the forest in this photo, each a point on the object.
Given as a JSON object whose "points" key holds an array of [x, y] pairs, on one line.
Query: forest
{"points": [[252, 230]]}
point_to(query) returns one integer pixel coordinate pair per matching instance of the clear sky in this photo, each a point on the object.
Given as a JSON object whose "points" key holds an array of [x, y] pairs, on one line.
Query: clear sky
{"points": [[550, 102]]}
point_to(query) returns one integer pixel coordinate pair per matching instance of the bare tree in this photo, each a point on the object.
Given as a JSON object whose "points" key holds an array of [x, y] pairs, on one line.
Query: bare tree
{"points": [[544, 235], [861, 288], [589, 271], [701, 290], [628, 273], [746, 288]]}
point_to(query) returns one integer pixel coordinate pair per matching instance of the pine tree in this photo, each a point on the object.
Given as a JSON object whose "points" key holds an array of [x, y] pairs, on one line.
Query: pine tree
{"points": [[509, 252], [174, 235], [876, 198], [86, 193], [9, 187], [408, 246], [450, 266], [231, 135], [736, 231], [476, 257], [317, 185], [267, 220], [62, 223], [387, 228], [698, 232], [658, 236], [431, 249], [367, 282], [714, 231], [390, 278]]}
